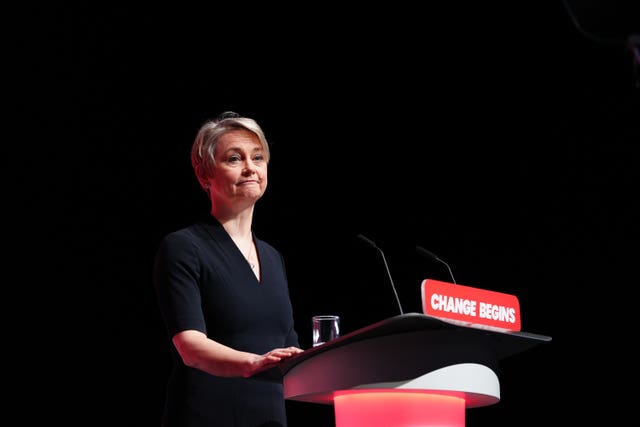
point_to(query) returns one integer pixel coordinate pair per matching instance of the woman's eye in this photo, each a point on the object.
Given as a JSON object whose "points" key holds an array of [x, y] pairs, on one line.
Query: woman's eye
{"points": [[233, 159], [258, 157]]}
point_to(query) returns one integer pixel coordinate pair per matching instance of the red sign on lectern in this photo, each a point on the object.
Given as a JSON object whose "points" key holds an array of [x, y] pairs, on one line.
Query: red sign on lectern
{"points": [[467, 306]]}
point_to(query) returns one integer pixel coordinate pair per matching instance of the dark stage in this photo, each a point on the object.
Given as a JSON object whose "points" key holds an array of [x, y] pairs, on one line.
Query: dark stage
{"points": [[503, 138]]}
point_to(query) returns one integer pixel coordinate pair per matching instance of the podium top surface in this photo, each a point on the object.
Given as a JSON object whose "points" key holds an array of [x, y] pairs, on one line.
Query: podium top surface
{"points": [[505, 343]]}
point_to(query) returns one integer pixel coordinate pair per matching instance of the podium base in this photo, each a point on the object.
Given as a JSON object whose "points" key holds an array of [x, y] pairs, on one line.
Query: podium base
{"points": [[398, 408]]}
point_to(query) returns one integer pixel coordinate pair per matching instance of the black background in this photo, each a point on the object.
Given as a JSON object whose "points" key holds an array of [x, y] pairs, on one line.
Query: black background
{"points": [[502, 137]]}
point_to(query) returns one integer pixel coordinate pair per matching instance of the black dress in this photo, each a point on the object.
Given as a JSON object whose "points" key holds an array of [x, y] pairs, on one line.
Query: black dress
{"points": [[203, 282]]}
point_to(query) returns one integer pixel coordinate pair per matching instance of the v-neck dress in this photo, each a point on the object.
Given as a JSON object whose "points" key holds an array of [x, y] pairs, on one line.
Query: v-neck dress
{"points": [[203, 282]]}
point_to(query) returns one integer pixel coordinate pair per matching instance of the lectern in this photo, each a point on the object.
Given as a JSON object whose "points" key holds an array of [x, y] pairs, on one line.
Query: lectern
{"points": [[412, 369]]}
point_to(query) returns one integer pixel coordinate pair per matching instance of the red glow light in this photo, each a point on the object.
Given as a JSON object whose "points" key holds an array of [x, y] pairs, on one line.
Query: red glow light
{"points": [[397, 408]]}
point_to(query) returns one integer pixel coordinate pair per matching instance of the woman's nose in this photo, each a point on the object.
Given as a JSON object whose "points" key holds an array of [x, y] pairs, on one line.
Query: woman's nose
{"points": [[249, 167]]}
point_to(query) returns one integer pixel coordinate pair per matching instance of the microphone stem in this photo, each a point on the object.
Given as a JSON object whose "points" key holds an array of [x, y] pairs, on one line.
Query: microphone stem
{"points": [[389, 274], [450, 272]]}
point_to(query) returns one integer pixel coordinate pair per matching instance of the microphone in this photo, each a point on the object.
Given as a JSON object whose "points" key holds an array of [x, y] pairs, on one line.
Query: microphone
{"points": [[425, 253], [370, 243]]}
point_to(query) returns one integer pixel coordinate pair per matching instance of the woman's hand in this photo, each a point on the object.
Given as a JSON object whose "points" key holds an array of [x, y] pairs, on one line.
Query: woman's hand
{"points": [[272, 358]]}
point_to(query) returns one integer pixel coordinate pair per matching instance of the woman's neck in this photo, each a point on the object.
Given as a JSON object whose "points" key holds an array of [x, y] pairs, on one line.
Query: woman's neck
{"points": [[236, 224]]}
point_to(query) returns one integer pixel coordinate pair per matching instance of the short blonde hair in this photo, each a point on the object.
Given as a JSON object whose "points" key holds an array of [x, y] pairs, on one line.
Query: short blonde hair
{"points": [[204, 146]]}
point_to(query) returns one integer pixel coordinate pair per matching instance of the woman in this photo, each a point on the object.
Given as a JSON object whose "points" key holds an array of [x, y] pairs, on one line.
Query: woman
{"points": [[223, 293]]}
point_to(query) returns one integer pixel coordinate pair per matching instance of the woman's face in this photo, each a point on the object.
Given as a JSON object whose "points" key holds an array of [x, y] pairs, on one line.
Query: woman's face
{"points": [[240, 170]]}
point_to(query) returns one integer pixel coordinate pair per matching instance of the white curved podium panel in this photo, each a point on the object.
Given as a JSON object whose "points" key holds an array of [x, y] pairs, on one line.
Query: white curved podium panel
{"points": [[476, 384]]}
